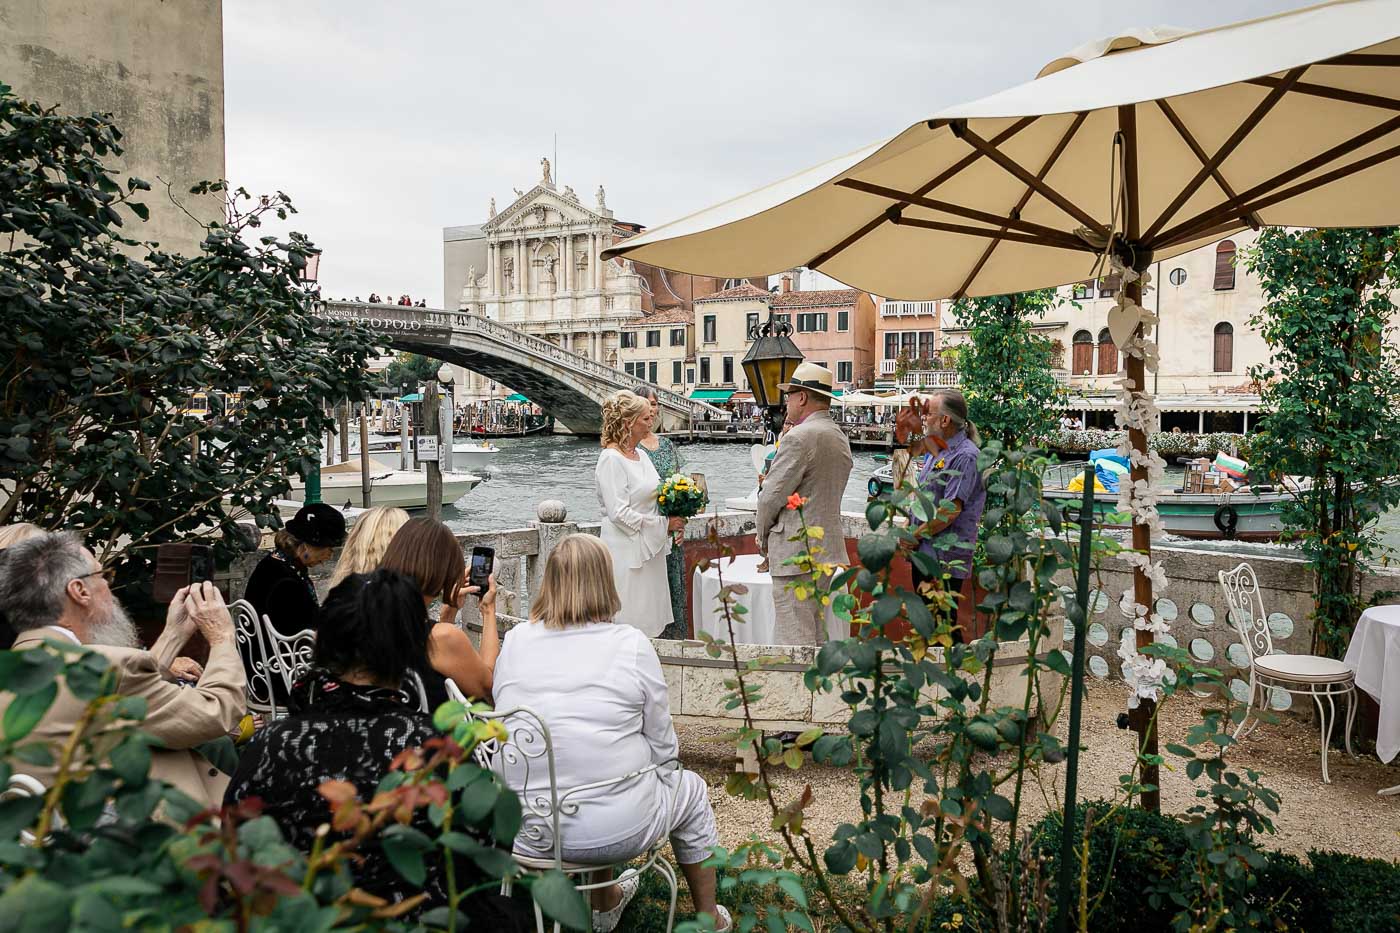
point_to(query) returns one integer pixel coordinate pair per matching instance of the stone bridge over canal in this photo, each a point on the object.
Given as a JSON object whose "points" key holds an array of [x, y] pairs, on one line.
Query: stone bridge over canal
{"points": [[566, 385]]}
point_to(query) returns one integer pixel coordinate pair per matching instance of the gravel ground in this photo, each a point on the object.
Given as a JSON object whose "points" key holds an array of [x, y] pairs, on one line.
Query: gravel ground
{"points": [[1346, 815]]}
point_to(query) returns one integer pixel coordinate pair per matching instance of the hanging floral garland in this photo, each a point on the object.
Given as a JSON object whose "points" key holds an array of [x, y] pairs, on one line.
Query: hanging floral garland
{"points": [[1136, 410]]}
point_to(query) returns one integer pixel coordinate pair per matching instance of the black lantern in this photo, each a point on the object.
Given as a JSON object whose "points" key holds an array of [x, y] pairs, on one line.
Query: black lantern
{"points": [[770, 362]]}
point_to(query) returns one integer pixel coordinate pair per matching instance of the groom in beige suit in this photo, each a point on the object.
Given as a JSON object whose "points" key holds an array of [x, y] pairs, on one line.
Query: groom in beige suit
{"points": [[813, 461]]}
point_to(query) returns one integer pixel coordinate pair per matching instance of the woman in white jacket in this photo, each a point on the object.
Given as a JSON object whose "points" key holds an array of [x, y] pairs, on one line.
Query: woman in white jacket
{"points": [[638, 536], [598, 687]]}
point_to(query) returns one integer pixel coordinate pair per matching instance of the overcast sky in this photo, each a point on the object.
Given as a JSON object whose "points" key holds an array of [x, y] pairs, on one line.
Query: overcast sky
{"points": [[386, 122]]}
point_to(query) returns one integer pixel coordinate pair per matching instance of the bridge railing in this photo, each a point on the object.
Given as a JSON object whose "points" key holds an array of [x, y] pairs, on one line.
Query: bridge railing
{"points": [[434, 322]]}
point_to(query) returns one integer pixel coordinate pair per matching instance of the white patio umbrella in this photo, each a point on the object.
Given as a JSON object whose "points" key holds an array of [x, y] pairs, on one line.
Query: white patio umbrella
{"points": [[1156, 141]]}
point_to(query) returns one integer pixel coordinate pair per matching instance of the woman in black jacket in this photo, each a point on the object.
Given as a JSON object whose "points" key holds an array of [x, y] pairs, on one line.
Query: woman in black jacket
{"points": [[280, 586]]}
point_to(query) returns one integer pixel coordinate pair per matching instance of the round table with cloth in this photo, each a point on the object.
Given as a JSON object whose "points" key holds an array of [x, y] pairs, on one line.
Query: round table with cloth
{"points": [[1374, 654], [756, 627]]}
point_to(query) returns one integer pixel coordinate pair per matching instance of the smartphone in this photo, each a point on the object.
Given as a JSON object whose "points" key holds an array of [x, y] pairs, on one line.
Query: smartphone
{"points": [[483, 565], [179, 565]]}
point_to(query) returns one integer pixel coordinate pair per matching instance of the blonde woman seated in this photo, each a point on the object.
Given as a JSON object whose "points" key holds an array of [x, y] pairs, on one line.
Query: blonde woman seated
{"points": [[599, 688], [368, 541]]}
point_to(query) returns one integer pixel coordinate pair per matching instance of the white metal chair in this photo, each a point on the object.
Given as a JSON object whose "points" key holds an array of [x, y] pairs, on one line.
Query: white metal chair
{"points": [[287, 655], [247, 629], [23, 785], [1310, 675], [525, 761]]}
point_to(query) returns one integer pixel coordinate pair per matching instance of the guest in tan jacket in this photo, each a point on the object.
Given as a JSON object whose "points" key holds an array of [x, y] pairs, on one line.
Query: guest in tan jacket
{"points": [[52, 587], [814, 462]]}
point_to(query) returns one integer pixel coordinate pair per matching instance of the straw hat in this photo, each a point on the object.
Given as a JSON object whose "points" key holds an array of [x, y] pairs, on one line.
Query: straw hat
{"points": [[809, 377]]}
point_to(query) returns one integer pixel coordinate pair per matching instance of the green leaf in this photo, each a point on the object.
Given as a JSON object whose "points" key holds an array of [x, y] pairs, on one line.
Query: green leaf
{"points": [[448, 714], [26, 710], [999, 808], [505, 819], [1055, 660], [131, 759], [560, 900], [38, 670], [792, 887], [999, 549], [983, 734], [876, 551], [404, 847], [808, 737], [840, 858], [18, 813], [875, 514]]}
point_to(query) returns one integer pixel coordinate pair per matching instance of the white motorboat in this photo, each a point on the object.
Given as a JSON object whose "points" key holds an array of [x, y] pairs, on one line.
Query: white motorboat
{"points": [[407, 489], [467, 455]]}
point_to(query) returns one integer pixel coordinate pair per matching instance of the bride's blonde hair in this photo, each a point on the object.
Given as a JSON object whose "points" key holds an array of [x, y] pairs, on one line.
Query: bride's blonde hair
{"points": [[368, 541], [620, 410]]}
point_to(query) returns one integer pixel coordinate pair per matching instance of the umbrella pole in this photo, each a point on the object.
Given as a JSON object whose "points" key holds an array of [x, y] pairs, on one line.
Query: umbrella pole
{"points": [[1143, 719]]}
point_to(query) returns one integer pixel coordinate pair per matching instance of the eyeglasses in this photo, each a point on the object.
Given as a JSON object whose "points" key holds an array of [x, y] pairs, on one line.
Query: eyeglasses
{"points": [[107, 573]]}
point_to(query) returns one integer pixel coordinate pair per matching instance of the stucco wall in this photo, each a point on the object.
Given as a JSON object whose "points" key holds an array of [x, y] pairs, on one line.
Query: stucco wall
{"points": [[158, 67]]}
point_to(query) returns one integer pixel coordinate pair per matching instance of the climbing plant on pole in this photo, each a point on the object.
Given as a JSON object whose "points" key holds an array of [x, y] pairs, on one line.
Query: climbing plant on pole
{"points": [[1329, 397], [1007, 369]]}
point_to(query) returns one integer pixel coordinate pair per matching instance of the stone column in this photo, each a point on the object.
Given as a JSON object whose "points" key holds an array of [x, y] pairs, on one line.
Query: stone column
{"points": [[598, 261], [491, 268], [569, 276], [522, 265], [553, 527]]}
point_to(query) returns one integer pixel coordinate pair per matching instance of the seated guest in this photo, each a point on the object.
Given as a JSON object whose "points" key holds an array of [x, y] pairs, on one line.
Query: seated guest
{"points": [[350, 717], [427, 551], [280, 586], [11, 535], [598, 686], [51, 587], [368, 541]]}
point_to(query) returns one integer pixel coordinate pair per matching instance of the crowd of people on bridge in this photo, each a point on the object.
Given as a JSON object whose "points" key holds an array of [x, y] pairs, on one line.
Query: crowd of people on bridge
{"points": [[388, 649], [403, 300]]}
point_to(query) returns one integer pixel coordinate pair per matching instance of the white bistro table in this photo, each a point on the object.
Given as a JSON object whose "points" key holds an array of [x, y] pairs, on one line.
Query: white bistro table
{"points": [[1374, 654], [756, 627]]}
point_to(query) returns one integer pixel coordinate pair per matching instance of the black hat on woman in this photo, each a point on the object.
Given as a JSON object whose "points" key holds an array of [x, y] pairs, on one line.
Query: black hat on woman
{"points": [[318, 525]]}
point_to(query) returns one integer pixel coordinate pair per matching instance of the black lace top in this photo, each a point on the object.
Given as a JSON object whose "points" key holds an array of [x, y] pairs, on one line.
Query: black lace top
{"points": [[341, 731]]}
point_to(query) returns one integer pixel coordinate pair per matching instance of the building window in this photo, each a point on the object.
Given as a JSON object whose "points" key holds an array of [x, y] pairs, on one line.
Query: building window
{"points": [[678, 338], [709, 321], [843, 369], [926, 338], [651, 370], [635, 369], [1108, 286], [822, 364], [750, 323], [728, 370], [628, 340], [891, 346], [843, 320], [704, 370], [1082, 359], [785, 319], [1224, 347], [1083, 290], [909, 344], [1224, 270], [653, 338], [676, 372], [1108, 354], [811, 322], [690, 375]]}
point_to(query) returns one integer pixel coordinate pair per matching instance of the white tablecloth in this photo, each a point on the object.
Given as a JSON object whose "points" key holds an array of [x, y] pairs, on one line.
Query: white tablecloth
{"points": [[1374, 654], [756, 627]]}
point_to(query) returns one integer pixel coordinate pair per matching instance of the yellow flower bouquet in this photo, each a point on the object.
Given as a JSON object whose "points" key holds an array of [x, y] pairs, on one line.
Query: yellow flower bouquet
{"points": [[679, 496]]}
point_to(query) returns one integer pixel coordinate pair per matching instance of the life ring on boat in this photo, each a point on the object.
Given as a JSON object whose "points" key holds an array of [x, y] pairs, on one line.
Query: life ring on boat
{"points": [[873, 487], [1227, 520]]}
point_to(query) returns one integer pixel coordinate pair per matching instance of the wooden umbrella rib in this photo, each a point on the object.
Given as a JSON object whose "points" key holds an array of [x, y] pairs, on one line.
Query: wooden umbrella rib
{"points": [[1016, 170], [1021, 202], [1303, 187], [1215, 215], [1331, 93], [1238, 136], [1180, 126], [986, 232], [860, 232], [958, 210]]}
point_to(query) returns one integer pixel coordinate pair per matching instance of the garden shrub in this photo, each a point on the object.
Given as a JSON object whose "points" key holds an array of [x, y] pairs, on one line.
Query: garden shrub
{"points": [[1358, 895]]}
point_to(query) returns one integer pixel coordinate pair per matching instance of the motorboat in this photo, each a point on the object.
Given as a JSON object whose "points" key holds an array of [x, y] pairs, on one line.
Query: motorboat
{"points": [[407, 489], [467, 455]]}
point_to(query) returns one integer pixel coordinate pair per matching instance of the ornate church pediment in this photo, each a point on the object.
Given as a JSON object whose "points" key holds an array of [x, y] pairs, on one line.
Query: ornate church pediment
{"points": [[542, 207]]}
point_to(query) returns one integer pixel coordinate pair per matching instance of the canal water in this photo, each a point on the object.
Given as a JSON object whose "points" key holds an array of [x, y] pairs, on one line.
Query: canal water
{"points": [[529, 470]]}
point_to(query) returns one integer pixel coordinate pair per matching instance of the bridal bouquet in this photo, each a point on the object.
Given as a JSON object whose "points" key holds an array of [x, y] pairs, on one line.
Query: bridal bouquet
{"points": [[679, 496]]}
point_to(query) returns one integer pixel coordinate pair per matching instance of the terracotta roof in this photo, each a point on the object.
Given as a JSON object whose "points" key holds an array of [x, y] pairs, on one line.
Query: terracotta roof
{"points": [[746, 290], [664, 316], [828, 298]]}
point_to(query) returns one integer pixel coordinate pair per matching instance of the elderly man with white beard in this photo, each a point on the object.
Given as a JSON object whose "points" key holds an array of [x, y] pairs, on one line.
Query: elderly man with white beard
{"points": [[53, 588]]}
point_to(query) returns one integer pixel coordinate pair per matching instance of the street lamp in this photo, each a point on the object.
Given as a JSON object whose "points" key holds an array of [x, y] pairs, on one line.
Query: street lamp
{"points": [[770, 362], [446, 418]]}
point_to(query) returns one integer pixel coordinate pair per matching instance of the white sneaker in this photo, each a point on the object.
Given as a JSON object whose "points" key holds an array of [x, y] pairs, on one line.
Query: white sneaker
{"points": [[605, 921], [723, 922]]}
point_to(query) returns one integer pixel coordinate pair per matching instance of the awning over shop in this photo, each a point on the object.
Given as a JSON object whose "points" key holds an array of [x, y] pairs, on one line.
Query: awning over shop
{"points": [[517, 397], [414, 397], [741, 397], [712, 395]]}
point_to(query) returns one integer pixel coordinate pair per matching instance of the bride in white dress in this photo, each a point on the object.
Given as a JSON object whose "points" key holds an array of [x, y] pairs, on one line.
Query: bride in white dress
{"points": [[638, 536]]}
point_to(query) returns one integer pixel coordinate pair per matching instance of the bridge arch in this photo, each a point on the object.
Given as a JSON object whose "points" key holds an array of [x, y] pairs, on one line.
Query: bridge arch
{"points": [[567, 385]]}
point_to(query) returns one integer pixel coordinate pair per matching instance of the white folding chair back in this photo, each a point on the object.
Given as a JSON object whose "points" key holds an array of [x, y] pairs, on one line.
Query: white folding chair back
{"points": [[288, 655], [247, 632], [524, 760], [416, 682], [23, 785], [1322, 679]]}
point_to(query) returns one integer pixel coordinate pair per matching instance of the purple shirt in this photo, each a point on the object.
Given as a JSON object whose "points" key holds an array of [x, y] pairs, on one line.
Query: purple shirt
{"points": [[953, 475]]}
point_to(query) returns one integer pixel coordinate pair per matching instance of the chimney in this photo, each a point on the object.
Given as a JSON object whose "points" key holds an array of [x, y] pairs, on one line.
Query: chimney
{"points": [[787, 283]]}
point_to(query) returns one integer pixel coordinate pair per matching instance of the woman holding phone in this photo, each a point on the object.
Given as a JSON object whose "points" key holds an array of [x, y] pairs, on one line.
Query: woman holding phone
{"points": [[427, 551]]}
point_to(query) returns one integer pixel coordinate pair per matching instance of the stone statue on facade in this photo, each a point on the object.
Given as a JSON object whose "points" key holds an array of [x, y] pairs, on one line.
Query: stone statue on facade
{"points": [[508, 272], [493, 207], [569, 193], [602, 199], [471, 275], [544, 174]]}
